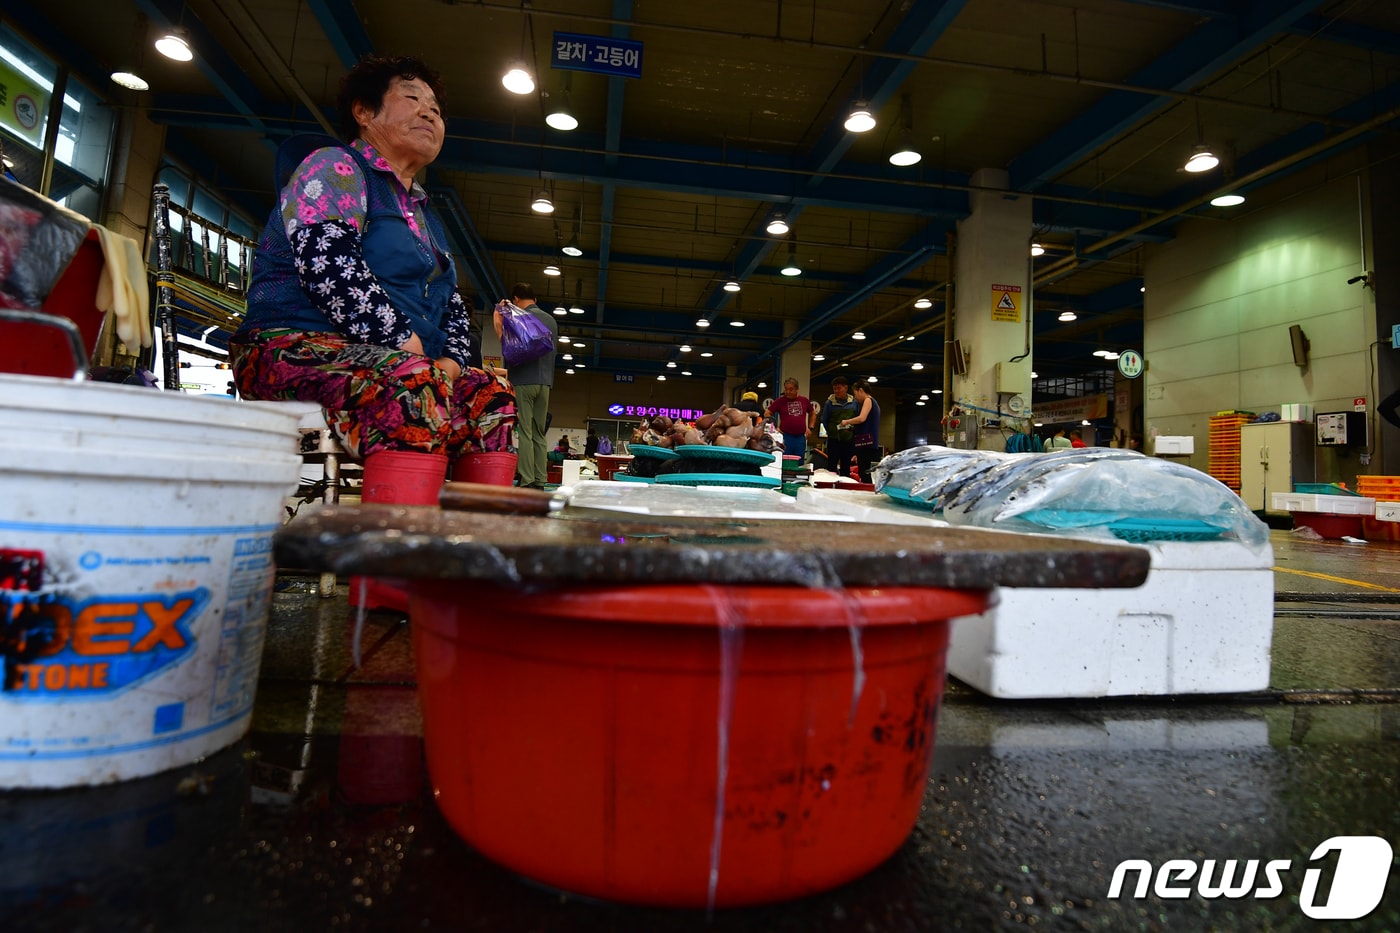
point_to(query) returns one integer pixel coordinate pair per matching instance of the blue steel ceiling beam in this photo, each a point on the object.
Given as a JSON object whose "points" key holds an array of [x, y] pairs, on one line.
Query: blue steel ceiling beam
{"points": [[214, 63], [1388, 98], [1192, 62], [617, 92], [1352, 34], [910, 255], [1205, 9], [472, 251], [921, 27], [342, 26]]}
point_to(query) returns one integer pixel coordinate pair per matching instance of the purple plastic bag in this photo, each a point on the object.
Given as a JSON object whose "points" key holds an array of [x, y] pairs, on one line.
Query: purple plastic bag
{"points": [[523, 336]]}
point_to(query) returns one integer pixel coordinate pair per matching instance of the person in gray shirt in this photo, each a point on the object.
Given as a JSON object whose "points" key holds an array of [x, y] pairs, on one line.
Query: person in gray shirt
{"points": [[532, 381]]}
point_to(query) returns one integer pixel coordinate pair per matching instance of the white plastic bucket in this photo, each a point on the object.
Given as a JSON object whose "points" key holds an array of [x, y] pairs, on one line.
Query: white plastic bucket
{"points": [[135, 574]]}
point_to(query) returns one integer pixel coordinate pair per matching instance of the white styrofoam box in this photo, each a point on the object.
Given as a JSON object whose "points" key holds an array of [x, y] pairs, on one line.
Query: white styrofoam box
{"points": [[1388, 511], [1175, 444], [1296, 411], [1201, 623], [1327, 505], [1205, 628]]}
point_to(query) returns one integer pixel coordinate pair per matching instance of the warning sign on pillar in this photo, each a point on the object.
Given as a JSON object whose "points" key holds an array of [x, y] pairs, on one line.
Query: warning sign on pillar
{"points": [[1006, 303]]}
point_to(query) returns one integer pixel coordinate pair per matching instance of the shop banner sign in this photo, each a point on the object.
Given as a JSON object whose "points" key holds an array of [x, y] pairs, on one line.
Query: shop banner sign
{"points": [[622, 409], [22, 105], [599, 54], [1084, 408]]}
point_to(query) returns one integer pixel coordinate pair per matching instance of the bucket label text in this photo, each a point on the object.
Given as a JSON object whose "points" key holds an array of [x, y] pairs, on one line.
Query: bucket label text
{"points": [[53, 649]]}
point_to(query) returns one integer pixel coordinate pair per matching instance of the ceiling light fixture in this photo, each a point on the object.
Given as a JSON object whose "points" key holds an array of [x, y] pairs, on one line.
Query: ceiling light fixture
{"points": [[1202, 160], [685, 348], [858, 335], [923, 303], [661, 378], [567, 356], [936, 391], [1037, 249], [924, 397], [173, 45], [916, 366], [686, 372], [906, 154], [760, 385], [702, 323], [568, 372], [518, 80], [561, 117], [576, 308], [732, 286], [707, 354], [860, 119], [792, 268], [872, 378], [572, 248], [1227, 200], [817, 357], [1067, 316], [921, 404], [1101, 353], [670, 364], [542, 204], [560, 310], [131, 79], [736, 323], [551, 269], [778, 226]]}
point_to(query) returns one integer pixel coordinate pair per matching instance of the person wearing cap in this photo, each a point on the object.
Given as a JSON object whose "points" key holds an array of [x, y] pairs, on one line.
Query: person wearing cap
{"points": [[748, 403]]}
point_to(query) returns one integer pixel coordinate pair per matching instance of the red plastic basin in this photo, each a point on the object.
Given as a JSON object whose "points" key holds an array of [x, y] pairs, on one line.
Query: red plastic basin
{"points": [[574, 736]]}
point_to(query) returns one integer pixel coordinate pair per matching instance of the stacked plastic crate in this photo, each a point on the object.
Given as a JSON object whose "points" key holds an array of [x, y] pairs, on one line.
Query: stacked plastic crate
{"points": [[1386, 491], [1225, 446]]}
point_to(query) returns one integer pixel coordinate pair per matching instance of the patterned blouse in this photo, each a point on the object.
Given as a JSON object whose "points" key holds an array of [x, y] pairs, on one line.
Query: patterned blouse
{"points": [[324, 206]]}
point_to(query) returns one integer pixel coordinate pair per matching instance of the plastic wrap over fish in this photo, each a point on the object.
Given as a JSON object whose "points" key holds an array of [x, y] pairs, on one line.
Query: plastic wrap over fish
{"points": [[925, 473], [1105, 492]]}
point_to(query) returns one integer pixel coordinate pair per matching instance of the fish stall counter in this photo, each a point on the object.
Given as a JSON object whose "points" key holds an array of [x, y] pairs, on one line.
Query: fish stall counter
{"points": [[745, 708]]}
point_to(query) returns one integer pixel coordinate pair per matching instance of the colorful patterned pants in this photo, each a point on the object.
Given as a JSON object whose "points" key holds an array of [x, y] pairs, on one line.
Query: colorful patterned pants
{"points": [[377, 398]]}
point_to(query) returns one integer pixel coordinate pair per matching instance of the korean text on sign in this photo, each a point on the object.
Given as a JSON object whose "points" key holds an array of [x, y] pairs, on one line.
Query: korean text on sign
{"points": [[600, 54]]}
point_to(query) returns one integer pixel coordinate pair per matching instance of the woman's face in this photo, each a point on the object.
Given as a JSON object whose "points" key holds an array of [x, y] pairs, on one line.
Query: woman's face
{"points": [[790, 390], [408, 129]]}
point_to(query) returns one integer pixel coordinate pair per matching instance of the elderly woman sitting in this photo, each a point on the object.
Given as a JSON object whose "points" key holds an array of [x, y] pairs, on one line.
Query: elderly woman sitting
{"points": [[353, 302]]}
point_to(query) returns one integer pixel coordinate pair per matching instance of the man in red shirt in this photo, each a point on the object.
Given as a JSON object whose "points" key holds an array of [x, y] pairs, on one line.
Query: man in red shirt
{"points": [[795, 418], [1076, 439]]}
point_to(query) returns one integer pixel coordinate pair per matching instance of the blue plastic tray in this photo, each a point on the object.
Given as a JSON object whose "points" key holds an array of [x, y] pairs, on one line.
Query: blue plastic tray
{"points": [[732, 454], [656, 453], [629, 478], [718, 479], [902, 496], [1164, 529]]}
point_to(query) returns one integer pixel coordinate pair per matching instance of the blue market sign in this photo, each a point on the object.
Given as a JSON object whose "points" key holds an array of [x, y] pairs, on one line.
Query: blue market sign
{"points": [[599, 54]]}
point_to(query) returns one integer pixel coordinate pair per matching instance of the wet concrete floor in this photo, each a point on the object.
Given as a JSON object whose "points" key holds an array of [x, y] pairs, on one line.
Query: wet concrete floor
{"points": [[323, 818]]}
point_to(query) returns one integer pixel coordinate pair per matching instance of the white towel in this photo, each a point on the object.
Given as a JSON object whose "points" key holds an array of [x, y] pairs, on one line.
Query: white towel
{"points": [[122, 291]]}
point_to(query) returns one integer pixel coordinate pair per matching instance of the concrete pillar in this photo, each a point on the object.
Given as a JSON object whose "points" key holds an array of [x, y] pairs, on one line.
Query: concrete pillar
{"points": [[796, 363], [993, 302]]}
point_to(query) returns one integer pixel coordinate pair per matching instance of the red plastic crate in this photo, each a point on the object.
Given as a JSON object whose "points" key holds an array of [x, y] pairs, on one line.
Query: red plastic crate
{"points": [[1330, 526]]}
